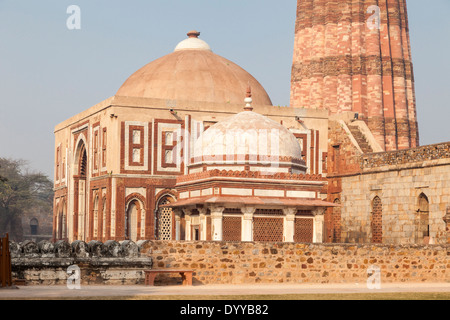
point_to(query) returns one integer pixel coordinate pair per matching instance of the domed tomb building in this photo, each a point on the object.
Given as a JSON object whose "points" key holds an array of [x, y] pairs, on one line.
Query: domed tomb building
{"points": [[131, 167]]}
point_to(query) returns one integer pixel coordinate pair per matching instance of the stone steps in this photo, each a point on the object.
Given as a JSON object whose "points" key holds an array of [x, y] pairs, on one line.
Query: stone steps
{"points": [[360, 139]]}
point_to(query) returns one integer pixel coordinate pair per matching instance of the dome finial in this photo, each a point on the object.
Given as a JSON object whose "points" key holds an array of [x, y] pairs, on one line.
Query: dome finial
{"points": [[193, 34], [248, 100]]}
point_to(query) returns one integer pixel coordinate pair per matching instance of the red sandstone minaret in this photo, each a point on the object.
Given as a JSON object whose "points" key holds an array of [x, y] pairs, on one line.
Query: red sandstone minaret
{"points": [[355, 55]]}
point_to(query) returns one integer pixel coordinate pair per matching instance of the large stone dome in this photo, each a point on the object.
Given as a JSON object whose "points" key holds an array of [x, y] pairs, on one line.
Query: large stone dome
{"points": [[193, 73]]}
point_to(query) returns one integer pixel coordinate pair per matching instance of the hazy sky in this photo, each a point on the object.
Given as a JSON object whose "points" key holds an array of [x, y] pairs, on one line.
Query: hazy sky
{"points": [[49, 73]]}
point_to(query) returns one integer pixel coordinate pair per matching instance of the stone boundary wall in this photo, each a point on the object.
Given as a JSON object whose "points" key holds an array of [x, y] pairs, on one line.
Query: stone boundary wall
{"points": [[420, 154], [251, 263], [46, 263], [114, 263]]}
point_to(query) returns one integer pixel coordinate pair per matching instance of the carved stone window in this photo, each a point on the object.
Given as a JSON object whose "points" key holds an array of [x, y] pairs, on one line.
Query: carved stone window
{"points": [[377, 221], [165, 220], [268, 229], [232, 228], [304, 228]]}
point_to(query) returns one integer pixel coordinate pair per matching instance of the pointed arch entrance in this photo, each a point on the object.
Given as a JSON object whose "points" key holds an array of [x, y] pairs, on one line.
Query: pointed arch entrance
{"points": [[423, 220], [135, 217], [61, 223], [165, 220], [377, 220], [80, 191], [131, 220]]}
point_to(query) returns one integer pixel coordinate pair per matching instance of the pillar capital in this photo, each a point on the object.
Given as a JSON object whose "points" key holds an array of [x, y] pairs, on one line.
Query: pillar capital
{"points": [[202, 211], [319, 212], [177, 213], [290, 212], [187, 211], [248, 212], [217, 211]]}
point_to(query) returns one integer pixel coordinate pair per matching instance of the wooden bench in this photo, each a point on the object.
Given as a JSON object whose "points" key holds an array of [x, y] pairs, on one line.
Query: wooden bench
{"points": [[150, 275]]}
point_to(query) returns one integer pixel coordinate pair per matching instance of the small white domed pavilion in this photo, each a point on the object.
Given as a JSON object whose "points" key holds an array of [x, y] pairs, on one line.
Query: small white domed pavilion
{"points": [[247, 182]]}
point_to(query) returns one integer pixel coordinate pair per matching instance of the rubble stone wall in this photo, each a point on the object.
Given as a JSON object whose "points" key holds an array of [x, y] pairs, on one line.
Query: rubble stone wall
{"points": [[241, 263], [114, 263]]}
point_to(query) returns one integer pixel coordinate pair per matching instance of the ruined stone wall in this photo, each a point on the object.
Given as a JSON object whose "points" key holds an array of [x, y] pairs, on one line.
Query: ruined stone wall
{"points": [[398, 179], [111, 263], [240, 263]]}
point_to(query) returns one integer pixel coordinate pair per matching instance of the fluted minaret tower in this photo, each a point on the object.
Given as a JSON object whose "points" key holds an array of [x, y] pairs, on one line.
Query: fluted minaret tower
{"points": [[355, 55]]}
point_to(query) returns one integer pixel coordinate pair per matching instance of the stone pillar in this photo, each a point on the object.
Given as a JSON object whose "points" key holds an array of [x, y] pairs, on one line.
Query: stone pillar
{"points": [[319, 218], [187, 217], [447, 224], [177, 214], [203, 223], [289, 224], [247, 223], [217, 223]]}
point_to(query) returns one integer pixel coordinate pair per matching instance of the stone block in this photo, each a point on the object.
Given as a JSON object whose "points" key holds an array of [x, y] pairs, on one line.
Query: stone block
{"points": [[145, 247], [111, 249], [95, 248], [30, 249], [80, 249], [47, 249], [15, 249], [62, 249], [129, 249]]}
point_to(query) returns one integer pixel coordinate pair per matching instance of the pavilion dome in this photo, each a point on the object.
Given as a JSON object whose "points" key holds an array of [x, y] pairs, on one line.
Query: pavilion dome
{"points": [[248, 138], [193, 73]]}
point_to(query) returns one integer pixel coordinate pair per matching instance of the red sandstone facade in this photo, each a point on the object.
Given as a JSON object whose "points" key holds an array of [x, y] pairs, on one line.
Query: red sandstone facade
{"points": [[344, 62]]}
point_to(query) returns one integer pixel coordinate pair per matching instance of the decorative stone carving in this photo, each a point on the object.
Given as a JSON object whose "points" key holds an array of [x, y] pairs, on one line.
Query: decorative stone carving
{"points": [[80, 249], [15, 249], [248, 212], [47, 249], [62, 249], [290, 213], [111, 249], [95, 248], [30, 249], [129, 249]]}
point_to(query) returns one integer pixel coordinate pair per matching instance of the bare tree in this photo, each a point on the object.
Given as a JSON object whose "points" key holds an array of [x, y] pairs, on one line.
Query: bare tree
{"points": [[21, 190]]}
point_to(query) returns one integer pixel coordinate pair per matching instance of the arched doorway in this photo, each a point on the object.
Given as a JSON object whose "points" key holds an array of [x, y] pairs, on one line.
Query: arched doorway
{"points": [[131, 220], [164, 219], [423, 220], [95, 223], [62, 222], [80, 191], [103, 228], [134, 223], [377, 220]]}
